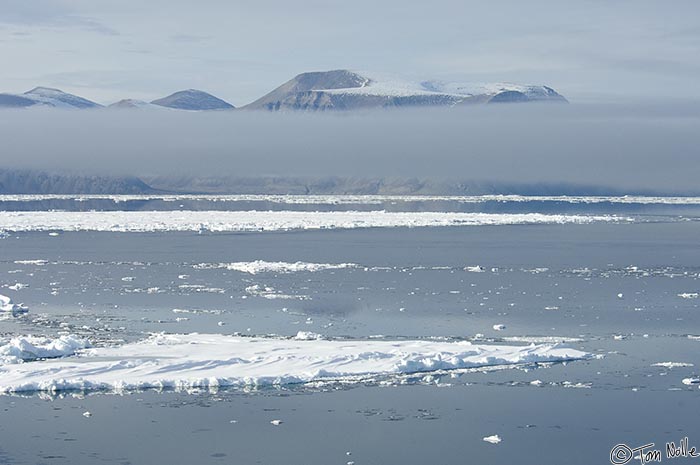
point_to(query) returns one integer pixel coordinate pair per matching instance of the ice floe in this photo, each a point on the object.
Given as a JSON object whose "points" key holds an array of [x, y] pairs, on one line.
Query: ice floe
{"points": [[232, 221], [494, 439], [271, 293], [261, 266], [210, 361], [7, 305], [672, 364]]}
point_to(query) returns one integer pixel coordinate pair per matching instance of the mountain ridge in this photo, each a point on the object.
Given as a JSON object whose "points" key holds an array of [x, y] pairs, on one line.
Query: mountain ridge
{"points": [[338, 89]]}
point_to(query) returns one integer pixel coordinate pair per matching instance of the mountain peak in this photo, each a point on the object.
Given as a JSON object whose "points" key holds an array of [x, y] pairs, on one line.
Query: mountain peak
{"points": [[193, 99], [344, 90], [45, 91], [57, 98]]}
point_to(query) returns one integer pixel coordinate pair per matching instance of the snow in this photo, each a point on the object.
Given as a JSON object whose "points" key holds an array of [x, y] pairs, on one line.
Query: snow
{"points": [[261, 266], [210, 361], [27, 348], [231, 221], [377, 84]]}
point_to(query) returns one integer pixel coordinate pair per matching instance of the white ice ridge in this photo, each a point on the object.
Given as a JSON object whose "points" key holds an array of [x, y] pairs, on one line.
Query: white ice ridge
{"points": [[344, 199], [231, 221], [193, 361], [261, 266], [28, 348]]}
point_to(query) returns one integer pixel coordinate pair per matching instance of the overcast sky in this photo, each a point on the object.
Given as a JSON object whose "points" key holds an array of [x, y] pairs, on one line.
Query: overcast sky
{"points": [[590, 51]]}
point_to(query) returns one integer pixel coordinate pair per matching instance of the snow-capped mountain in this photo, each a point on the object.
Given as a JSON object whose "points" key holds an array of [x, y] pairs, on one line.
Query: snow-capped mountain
{"points": [[345, 90], [45, 96], [193, 99], [58, 98], [129, 103], [325, 90]]}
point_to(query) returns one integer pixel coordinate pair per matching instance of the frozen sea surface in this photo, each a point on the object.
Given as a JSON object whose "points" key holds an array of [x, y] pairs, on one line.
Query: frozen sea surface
{"points": [[622, 292]]}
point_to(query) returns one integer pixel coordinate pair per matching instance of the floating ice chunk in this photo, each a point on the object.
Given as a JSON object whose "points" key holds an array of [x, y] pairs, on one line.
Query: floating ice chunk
{"points": [[7, 305], [475, 269], [495, 439], [17, 286], [203, 361], [691, 381], [87, 414], [31, 262], [688, 295], [620, 295], [499, 327], [536, 382], [672, 364], [268, 292], [261, 266], [276, 422], [128, 278], [28, 348]]}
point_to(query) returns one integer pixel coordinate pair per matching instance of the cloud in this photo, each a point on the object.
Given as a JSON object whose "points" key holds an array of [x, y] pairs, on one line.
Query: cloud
{"points": [[189, 38], [627, 147], [49, 13]]}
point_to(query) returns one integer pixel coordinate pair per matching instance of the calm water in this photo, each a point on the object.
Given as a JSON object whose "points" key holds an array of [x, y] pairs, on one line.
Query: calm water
{"points": [[609, 289]]}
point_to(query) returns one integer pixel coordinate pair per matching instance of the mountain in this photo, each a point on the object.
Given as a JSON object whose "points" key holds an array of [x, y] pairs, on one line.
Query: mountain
{"points": [[129, 103], [37, 182], [45, 96], [347, 90], [58, 98], [193, 99], [15, 101]]}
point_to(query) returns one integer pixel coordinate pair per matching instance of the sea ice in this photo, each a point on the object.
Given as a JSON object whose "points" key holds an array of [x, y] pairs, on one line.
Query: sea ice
{"points": [[672, 364], [24, 349], [495, 439], [256, 221], [7, 305], [201, 361], [261, 266]]}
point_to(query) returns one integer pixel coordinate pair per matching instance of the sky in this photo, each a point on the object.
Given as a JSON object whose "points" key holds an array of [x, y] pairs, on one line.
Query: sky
{"points": [[591, 51]]}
